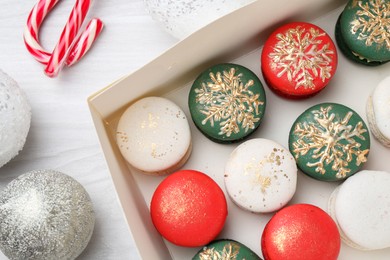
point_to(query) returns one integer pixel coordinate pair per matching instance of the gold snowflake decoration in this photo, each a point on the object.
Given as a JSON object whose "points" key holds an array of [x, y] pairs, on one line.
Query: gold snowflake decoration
{"points": [[229, 101], [298, 55], [373, 22], [331, 140], [229, 252]]}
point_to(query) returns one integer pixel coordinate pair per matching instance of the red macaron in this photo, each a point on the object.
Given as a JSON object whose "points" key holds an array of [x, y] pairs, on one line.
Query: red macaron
{"points": [[188, 208], [298, 60], [301, 231]]}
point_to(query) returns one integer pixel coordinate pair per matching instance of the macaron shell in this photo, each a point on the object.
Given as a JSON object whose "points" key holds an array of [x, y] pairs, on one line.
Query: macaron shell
{"points": [[362, 209], [329, 141], [188, 208], [226, 249], [364, 25], [261, 176], [227, 102], [332, 213], [301, 231], [298, 60], [154, 136], [378, 112]]}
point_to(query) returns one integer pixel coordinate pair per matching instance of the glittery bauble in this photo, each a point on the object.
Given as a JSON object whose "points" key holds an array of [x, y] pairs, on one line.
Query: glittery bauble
{"points": [[183, 17], [15, 118], [45, 215]]}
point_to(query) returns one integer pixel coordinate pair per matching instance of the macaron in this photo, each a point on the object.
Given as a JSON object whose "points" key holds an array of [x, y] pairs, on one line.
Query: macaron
{"points": [[300, 231], [361, 208], [362, 31], [298, 60], [378, 112], [329, 141], [15, 118], [154, 136], [227, 102], [261, 176], [226, 249], [188, 208]]}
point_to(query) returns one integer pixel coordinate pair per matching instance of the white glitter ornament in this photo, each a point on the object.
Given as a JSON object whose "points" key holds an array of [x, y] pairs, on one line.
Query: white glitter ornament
{"points": [[45, 215], [15, 118], [183, 17]]}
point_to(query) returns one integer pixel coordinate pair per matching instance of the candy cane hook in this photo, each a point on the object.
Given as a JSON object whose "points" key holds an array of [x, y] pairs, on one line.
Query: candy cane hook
{"points": [[69, 49]]}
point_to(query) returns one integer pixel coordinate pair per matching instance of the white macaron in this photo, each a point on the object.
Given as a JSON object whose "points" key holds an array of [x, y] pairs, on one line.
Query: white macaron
{"points": [[154, 136], [378, 112], [361, 208], [261, 176]]}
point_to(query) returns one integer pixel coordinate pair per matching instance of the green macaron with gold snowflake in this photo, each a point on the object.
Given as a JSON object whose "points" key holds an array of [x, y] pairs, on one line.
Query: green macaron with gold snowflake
{"points": [[363, 31], [227, 102], [226, 249], [329, 141]]}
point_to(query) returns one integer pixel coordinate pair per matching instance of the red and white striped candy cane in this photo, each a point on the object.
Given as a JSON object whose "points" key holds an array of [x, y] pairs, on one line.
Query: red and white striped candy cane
{"points": [[76, 18], [85, 41], [30, 35], [68, 49]]}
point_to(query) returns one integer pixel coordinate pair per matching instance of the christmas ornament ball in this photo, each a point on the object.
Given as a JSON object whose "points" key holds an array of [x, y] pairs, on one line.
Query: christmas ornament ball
{"points": [[181, 18], [45, 214], [15, 118]]}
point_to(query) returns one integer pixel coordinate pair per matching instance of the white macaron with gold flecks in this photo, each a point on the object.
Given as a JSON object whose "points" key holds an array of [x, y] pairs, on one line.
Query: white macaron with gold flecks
{"points": [[361, 208], [154, 136], [261, 176], [378, 112]]}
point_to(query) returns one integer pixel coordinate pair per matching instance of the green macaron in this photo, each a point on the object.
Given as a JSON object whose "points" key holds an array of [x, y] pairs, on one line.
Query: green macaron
{"points": [[363, 31], [226, 249], [329, 141], [227, 102]]}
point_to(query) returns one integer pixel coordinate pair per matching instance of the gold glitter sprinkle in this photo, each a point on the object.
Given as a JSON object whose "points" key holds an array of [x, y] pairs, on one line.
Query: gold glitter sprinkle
{"points": [[180, 204], [285, 236], [152, 121], [122, 137], [257, 170], [265, 182]]}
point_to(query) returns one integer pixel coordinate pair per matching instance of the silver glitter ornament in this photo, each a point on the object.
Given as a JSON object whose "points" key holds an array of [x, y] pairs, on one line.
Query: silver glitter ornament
{"points": [[45, 214], [183, 17]]}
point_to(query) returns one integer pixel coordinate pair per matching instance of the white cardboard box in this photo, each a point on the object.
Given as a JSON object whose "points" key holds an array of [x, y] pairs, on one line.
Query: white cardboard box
{"points": [[236, 38]]}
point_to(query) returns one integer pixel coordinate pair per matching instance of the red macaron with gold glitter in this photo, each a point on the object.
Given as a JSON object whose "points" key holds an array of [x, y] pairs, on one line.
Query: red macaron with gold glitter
{"points": [[188, 208], [298, 60], [301, 231]]}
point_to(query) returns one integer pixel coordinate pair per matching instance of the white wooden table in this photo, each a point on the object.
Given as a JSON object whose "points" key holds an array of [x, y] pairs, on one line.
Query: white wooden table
{"points": [[62, 136]]}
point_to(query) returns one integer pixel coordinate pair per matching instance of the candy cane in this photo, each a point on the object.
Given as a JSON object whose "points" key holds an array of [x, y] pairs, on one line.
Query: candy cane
{"points": [[67, 43], [85, 41], [34, 21]]}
